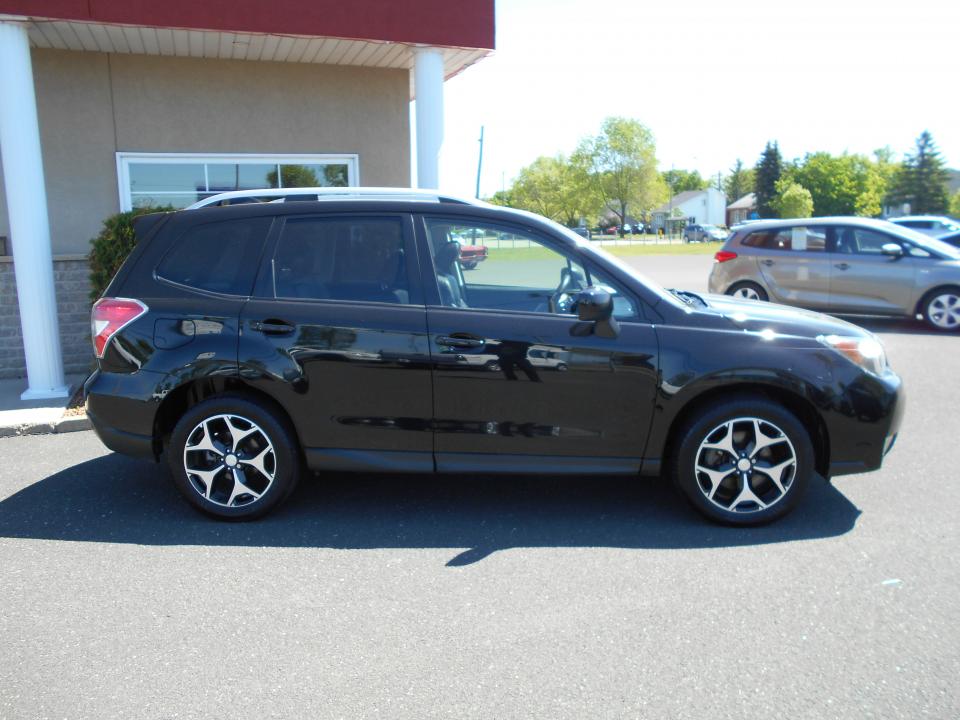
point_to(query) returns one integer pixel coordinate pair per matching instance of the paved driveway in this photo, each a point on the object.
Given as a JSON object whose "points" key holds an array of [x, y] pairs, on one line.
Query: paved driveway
{"points": [[392, 597]]}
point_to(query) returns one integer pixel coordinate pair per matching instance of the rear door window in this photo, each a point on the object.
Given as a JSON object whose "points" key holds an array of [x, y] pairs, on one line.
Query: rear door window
{"points": [[340, 258], [797, 239], [220, 257]]}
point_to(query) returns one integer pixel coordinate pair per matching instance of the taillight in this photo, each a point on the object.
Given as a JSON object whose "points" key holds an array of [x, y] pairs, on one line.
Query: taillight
{"points": [[108, 316], [724, 255]]}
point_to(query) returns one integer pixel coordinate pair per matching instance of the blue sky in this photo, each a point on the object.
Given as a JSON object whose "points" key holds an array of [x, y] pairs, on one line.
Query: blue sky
{"points": [[713, 81]]}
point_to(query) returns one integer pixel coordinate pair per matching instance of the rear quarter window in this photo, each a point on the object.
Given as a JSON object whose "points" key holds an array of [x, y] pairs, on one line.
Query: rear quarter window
{"points": [[220, 257], [797, 239]]}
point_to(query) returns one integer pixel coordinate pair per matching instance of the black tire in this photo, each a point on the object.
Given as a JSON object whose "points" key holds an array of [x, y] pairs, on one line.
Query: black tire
{"points": [[747, 285], [283, 460], [940, 309], [736, 413]]}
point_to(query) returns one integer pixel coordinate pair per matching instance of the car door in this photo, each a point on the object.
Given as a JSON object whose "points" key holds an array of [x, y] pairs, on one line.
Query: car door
{"points": [[794, 264], [515, 386], [864, 280], [337, 334]]}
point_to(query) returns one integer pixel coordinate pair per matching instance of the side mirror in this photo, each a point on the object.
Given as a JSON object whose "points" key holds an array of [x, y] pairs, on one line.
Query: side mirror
{"points": [[595, 310], [892, 250]]}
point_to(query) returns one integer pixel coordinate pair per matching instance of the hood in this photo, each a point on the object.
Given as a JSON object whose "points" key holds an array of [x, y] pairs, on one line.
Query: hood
{"points": [[757, 316]]}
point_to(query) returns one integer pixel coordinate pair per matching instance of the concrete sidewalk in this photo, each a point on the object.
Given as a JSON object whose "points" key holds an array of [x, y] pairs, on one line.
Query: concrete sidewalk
{"points": [[38, 416]]}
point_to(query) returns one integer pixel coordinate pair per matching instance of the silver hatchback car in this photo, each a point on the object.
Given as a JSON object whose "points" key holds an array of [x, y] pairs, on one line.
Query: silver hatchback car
{"points": [[842, 265]]}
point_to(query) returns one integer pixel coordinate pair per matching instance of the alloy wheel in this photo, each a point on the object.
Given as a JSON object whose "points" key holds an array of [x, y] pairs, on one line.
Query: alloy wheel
{"points": [[746, 292], [745, 465], [944, 311], [229, 460]]}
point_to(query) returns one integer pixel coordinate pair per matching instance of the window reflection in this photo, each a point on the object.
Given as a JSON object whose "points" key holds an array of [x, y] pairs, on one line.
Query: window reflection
{"points": [[166, 177], [161, 182]]}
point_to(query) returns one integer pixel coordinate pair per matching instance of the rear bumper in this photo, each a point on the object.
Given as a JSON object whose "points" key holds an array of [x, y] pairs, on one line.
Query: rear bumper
{"points": [[121, 409], [121, 441]]}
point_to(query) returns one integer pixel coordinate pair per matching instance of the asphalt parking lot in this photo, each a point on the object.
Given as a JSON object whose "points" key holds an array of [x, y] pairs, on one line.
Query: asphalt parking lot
{"points": [[397, 597]]}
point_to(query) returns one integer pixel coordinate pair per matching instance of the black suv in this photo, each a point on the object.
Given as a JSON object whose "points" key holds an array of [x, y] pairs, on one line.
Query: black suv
{"points": [[250, 341]]}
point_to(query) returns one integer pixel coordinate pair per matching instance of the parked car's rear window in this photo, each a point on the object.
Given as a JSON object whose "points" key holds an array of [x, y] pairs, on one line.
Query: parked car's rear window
{"points": [[220, 257]]}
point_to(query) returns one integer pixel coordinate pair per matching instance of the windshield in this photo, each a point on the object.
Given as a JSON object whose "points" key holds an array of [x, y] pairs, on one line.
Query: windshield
{"points": [[926, 242]]}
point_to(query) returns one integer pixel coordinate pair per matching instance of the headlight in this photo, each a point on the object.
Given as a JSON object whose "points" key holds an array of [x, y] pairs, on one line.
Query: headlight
{"points": [[867, 352]]}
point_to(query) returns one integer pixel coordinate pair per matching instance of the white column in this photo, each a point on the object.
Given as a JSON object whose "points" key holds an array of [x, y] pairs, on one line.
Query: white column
{"points": [[428, 87], [27, 210]]}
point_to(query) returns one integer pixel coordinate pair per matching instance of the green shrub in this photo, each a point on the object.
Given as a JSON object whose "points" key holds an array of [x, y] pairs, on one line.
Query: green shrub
{"points": [[112, 246]]}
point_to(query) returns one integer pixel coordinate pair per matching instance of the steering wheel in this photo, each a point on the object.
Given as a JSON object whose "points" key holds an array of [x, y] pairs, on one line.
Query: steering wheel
{"points": [[563, 300]]}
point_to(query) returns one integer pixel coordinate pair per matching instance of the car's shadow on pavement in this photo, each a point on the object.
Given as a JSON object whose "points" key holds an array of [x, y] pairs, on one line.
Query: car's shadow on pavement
{"points": [[120, 500]]}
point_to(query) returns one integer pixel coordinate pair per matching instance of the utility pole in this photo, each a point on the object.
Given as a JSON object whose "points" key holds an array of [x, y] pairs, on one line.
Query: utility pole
{"points": [[480, 162]]}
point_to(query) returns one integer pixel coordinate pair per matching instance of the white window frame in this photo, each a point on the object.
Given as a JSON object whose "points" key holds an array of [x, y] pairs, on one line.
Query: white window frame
{"points": [[351, 160]]}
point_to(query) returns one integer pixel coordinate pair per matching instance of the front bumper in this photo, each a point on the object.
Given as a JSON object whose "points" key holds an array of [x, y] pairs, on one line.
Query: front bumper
{"points": [[864, 423]]}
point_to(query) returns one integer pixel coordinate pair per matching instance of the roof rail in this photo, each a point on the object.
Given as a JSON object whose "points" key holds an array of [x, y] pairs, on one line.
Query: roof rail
{"points": [[330, 193]]}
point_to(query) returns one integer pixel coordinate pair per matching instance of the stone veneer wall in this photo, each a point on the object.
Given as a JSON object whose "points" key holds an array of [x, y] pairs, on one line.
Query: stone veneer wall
{"points": [[72, 282]]}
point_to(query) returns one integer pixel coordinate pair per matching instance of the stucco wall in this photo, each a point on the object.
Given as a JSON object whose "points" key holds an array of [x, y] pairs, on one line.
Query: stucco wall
{"points": [[92, 105]]}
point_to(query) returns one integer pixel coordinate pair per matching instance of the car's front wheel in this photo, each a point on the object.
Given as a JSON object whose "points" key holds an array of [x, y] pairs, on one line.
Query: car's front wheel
{"points": [[747, 291], [941, 309], [746, 461], [233, 458]]}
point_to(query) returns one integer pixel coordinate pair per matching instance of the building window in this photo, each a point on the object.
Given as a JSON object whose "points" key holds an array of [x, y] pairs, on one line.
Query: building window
{"points": [[181, 179]]}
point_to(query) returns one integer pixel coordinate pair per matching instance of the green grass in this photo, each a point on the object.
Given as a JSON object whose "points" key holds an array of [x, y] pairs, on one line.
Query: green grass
{"points": [[684, 249], [539, 253]]}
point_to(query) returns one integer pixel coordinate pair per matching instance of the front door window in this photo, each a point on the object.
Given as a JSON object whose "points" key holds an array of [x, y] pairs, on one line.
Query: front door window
{"points": [[487, 267]]}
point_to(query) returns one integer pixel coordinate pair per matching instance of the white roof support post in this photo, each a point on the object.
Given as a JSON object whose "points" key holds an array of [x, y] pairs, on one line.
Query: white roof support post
{"points": [[428, 88], [27, 210]]}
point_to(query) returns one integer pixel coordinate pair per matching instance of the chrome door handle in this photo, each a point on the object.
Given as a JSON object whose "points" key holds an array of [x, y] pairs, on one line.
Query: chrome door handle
{"points": [[841, 266]]}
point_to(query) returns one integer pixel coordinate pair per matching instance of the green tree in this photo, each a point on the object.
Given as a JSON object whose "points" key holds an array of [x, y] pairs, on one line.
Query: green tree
{"points": [[835, 182], [557, 188], [768, 171], [681, 180], [111, 247], [739, 182], [623, 167], [792, 200], [922, 181], [954, 208], [503, 198], [880, 175]]}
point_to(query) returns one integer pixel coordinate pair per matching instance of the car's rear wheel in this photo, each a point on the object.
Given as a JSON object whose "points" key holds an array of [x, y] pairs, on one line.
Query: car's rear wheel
{"points": [[233, 458], [747, 290], [941, 309], [746, 461]]}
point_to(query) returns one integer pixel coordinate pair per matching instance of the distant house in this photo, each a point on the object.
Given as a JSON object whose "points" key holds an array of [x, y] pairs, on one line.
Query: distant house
{"points": [[691, 207], [741, 210]]}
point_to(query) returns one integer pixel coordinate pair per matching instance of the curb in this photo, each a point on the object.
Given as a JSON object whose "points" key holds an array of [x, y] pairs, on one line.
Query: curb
{"points": [[73, 423]]}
